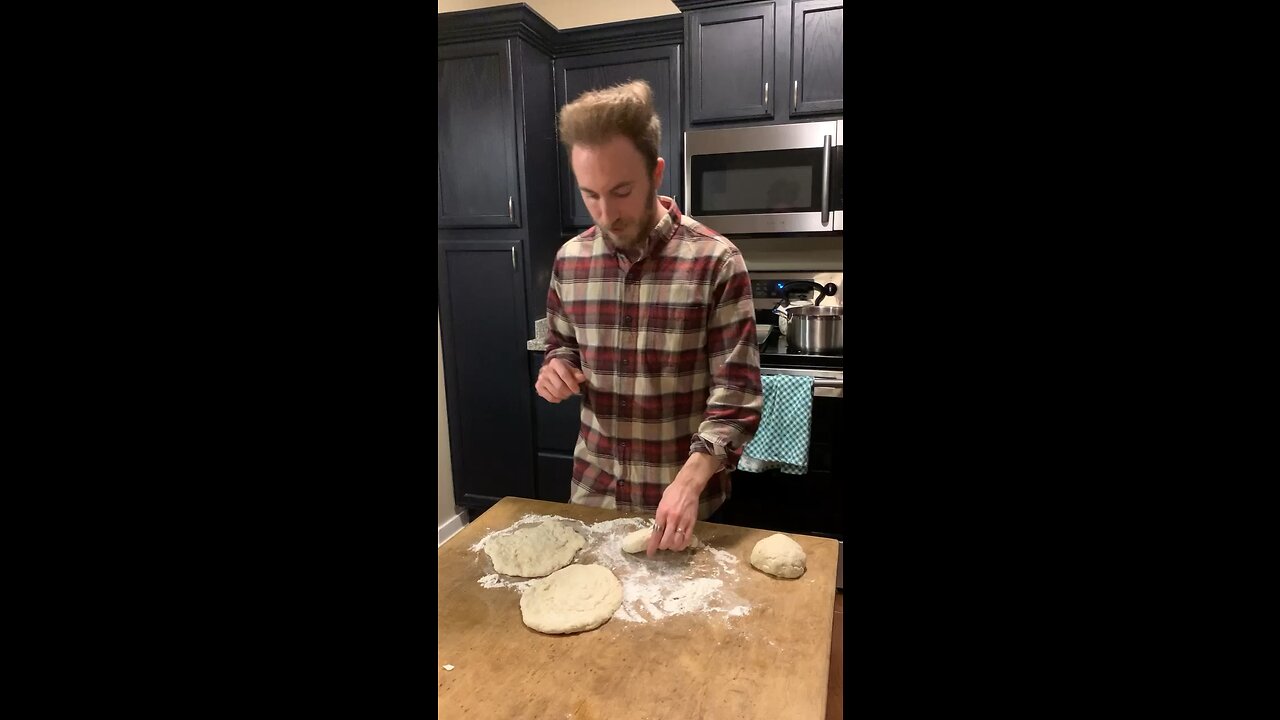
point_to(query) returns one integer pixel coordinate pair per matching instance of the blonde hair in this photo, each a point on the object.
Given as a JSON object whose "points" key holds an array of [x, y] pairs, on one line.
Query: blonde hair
{"points": [[599, 115]]}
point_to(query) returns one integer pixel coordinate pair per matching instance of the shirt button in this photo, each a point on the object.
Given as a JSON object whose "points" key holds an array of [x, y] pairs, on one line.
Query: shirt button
{"points": [[627, 319]]}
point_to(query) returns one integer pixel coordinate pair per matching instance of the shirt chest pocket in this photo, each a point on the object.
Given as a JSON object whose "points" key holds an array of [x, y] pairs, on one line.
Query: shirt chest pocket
{"points": [[678, 318]]}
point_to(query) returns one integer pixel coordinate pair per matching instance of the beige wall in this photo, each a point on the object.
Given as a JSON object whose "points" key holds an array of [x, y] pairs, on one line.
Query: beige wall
{"points": [[808, 253], [444, 466], [565, 14]]}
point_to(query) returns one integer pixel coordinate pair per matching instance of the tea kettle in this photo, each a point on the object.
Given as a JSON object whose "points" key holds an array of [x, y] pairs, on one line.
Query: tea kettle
{"points": [[784, 306]]}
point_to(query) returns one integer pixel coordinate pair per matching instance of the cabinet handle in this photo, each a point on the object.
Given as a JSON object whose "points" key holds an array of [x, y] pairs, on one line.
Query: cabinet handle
{"points": [[795, 93], [766, 96], [509, 213], [513, 257]]}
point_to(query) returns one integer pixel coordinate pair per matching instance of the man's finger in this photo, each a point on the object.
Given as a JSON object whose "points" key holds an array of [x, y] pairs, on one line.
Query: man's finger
{"points": [[565, 374], [555, 386], [544, 393], [655, 538], [684, 538], [668, 536]]}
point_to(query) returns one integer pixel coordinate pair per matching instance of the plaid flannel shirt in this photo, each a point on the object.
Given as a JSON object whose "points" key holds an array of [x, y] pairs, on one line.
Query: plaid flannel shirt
{"points": [[669, 351]]}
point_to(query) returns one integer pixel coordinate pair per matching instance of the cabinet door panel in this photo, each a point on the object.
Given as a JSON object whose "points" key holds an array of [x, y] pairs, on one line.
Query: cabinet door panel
{"points": [[555, 473], [477, 177], [731, 57], [482, 313], [817, 57]]}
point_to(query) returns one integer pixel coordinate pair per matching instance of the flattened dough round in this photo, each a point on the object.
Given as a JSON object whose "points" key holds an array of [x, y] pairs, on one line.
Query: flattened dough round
{"points": [[779, 555], [534, 552], [572, 599], [639, 540]]}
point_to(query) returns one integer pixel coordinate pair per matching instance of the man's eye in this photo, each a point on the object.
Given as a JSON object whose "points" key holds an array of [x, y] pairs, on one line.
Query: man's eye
{"points": [[622, 194]]}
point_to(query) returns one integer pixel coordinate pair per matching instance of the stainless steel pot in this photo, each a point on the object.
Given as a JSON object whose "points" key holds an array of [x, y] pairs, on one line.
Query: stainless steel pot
{"points": [[816, 328]]}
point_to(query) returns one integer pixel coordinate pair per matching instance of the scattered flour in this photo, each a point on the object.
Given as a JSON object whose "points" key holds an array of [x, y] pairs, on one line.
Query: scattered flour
{"points": [[528, 519], [495, 580], [652, 588]]}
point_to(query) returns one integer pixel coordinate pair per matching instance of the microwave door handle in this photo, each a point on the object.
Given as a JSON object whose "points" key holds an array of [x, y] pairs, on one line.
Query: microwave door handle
{"points": [[826, 179]]}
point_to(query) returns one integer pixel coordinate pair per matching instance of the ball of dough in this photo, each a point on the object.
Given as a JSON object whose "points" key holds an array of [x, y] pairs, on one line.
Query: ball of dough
{"points": [[639, 540], [534, 552], [779, 555], [573, 599]]}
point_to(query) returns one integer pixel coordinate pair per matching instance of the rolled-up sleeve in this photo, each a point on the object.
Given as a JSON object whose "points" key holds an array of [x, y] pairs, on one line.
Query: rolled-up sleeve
{"points": [[736, 398]]}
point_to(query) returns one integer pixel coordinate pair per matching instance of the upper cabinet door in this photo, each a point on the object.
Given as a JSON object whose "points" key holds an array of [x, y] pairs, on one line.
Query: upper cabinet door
{"points": [[817, 57], [477, 177], [731, 54], [660, 67]]}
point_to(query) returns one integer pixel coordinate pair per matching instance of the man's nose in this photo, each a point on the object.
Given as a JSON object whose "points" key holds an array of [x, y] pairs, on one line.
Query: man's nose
{"points": [[608, 212]]}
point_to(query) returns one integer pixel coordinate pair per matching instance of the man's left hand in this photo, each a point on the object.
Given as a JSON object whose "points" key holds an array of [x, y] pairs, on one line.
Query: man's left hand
{"points": [[678, 510]]}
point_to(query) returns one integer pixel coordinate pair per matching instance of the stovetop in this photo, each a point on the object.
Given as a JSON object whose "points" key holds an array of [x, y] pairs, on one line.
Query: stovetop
{"points": [[766, 292], [776, 353]]}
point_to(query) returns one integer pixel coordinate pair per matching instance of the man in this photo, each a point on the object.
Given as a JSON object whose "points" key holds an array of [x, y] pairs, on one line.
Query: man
{"points": [[651, 321]]}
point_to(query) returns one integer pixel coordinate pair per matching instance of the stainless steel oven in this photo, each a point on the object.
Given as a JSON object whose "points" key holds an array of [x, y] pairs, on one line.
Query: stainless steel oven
{"points": [[772, 179], [813, 503]]}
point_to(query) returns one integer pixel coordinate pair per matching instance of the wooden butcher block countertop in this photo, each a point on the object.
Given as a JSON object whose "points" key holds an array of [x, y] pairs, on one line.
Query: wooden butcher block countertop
{"points": [[769, 663]]}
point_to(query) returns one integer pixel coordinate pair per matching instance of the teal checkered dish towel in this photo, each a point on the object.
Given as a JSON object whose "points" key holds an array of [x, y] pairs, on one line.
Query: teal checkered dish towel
{"points": [[783, 438]]}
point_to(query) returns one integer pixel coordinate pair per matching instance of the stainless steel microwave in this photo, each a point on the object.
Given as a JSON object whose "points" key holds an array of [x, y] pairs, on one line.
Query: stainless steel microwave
{"points": [[770, 179]]}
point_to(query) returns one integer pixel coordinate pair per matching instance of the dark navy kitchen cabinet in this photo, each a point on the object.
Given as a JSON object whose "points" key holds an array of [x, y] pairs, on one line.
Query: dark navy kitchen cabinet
{"points": [[555, 473], [731, 57], [763, 63], [557, 434], [817, 57], [660, 67], [498, 225], [558, 423], [482, 325], [476, 172]]}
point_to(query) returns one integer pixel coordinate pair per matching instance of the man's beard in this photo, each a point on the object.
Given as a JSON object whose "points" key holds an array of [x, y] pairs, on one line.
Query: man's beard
{"points": [[639, 234]]}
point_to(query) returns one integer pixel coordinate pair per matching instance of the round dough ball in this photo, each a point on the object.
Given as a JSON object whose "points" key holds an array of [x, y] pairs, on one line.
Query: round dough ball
{"points": [[535, 551], [639, 540], [573, 599], [779, 555]]}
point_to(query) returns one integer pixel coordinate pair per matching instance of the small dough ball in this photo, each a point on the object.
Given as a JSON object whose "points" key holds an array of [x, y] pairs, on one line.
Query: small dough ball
{"points": [[572, 599], [779, 555], [534, 551], [639, 540]]}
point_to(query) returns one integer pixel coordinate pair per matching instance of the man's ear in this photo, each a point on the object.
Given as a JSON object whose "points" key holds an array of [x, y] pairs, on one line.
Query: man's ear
{"points": [[660, 166]]}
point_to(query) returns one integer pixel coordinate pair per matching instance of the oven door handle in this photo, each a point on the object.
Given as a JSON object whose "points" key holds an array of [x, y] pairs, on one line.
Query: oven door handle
{"points": [[833, 389], [828, 387]]}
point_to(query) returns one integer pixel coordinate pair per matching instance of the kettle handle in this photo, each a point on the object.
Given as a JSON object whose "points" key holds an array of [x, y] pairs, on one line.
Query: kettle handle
{"points": [[824, 291]]}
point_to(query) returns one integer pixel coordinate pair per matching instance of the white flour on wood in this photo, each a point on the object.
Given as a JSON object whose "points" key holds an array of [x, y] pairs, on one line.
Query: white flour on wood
{"points": [[652, 588]]}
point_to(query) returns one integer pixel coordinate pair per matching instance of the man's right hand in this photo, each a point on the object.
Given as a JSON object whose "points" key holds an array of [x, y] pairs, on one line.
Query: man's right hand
{"points": [[557, 380]]}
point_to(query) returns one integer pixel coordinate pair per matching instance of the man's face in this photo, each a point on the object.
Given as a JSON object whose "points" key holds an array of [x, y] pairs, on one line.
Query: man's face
{"points": [[617, 189]]}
